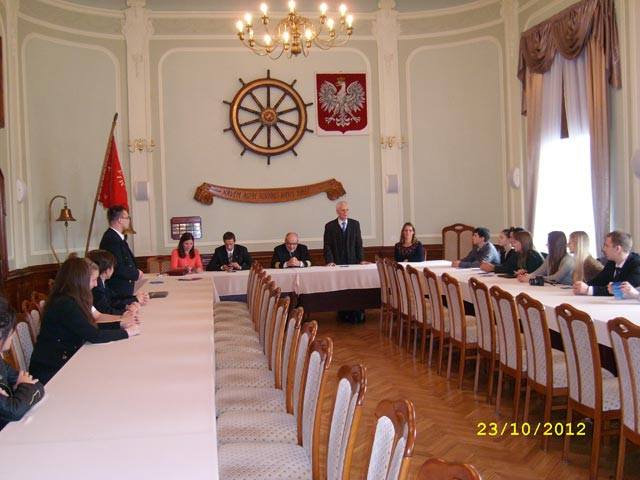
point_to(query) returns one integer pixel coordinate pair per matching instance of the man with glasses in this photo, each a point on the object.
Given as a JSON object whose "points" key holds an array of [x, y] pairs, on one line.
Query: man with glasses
{"points": [[114, 240], [290, 254], [622, 265]]}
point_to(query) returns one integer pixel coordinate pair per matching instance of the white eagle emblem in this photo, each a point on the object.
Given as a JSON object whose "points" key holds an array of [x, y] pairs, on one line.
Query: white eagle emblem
{"points": [[341, 105]]}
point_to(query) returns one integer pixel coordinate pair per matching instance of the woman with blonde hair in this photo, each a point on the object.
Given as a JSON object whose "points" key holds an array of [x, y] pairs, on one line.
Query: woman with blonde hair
{"points": [[585, 266]]}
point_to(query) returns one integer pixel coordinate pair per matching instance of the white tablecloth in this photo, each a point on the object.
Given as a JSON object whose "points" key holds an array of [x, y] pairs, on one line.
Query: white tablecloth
{"points": [[330, 279], [137, 408], [601, 309]]}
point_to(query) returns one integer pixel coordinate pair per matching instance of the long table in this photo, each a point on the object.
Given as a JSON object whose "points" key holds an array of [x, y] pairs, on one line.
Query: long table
{"points": [[137, 408], [354, 277]]}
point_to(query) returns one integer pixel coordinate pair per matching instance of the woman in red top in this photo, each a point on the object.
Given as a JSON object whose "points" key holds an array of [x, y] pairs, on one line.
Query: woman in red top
{"points": [[185, 256]]}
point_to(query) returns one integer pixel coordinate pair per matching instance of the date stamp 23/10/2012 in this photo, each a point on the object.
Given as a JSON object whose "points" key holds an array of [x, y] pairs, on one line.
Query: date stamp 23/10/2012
{"points": [[526, 429]]}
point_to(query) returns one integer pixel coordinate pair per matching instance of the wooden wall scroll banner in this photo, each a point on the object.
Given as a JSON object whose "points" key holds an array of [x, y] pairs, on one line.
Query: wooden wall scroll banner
{"points": [[206, 192]]}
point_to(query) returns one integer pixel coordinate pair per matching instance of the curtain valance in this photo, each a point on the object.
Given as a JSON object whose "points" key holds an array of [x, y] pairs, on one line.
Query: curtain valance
{"points": [[567, 33]]}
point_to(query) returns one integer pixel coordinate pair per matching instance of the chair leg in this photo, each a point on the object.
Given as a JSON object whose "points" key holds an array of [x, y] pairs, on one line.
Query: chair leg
{"points": [[409, 322], [548, 399], [527, 399], [492, 371], [461, 368], [449, 361], [516, 396], [400, 329], [621, 453], [431, 348], [475, 380], [440, 352], [499, 392], [423, 344], [567, 438], [595, 449]]}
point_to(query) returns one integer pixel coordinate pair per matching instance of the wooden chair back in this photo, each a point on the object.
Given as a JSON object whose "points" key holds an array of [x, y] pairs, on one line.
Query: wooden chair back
{"points": [[159, 264], [438, 321], [294, 379], [455, 305], [312, 395], [583, 356], [39, 298], [279, 324], [16, 354], [292, 335], [266, 326], [393, 441], [393, 284], [537, 339], [418, 300], [384, 281], [33, 316], [439, 469], [345, 418], [508, 329], [625, 340], [484, 315], [23, 332], [456, 240], [403, 289]]}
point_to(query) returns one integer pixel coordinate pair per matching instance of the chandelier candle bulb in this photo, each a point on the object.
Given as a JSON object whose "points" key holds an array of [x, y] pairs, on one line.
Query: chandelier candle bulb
{"points": [[294, 33]]}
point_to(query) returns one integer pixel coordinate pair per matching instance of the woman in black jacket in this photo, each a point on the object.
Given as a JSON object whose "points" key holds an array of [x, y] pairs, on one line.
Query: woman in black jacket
{"points": [[68, 322], [19, 391]]}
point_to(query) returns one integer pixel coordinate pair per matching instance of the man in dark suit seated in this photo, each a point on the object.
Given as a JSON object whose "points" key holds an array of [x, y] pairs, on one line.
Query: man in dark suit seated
{"points": [[230, 256], [124, 277], [622, 265], [290, 254]]}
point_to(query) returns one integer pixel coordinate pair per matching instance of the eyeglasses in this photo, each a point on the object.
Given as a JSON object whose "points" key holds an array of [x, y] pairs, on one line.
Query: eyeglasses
{"points": [[126, 218], [291, 243]]}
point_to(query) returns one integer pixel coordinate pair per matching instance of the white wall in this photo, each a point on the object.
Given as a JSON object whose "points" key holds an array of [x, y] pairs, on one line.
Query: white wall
{"points": [[66, 74]]}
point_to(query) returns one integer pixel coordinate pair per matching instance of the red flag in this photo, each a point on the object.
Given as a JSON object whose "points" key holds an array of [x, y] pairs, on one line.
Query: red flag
{"points": [[113, 190]]}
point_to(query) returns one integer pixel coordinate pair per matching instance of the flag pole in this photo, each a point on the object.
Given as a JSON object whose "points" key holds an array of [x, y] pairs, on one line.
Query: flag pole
{"points": [[107, 153]]}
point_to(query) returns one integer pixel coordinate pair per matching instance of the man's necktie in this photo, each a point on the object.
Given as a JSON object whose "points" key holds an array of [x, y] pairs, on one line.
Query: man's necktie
{"points": [[290, 254], [344, 227], [616, 274]]}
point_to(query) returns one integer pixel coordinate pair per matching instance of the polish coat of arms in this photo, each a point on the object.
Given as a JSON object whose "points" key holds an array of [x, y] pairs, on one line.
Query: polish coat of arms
{"points": [[342, 103]]}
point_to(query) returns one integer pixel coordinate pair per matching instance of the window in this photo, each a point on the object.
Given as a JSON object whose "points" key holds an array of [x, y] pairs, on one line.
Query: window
{"points": [[564, 199]]}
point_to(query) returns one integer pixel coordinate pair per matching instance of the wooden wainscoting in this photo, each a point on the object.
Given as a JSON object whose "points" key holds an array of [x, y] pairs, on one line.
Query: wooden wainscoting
{"points": [[22, 281]]}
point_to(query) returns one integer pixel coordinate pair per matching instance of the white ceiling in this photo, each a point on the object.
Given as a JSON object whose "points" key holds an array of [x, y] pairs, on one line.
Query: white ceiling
{"points": [[277, 5]]}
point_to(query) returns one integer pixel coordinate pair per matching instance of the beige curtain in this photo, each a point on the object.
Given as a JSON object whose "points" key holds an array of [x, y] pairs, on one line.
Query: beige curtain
{"points": [[590, 24]]}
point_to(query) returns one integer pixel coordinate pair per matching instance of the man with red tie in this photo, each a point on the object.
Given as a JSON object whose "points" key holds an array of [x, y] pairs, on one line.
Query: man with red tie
{"points": [[125, 273]]}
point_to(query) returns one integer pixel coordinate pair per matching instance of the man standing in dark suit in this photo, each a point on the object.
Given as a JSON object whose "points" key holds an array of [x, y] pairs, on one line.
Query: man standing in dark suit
{"points": [[623, 265], [343, 246], [124, 277], [342, 239], [290, 254], [230, 257]]}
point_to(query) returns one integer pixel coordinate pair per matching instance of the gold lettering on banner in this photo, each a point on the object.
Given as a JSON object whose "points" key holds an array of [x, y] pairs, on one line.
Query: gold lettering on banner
{"points": [[205, 192]]}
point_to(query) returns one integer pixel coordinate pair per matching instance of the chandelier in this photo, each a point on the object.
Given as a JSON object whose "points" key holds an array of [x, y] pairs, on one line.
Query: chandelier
{"points": [[295, 34]]}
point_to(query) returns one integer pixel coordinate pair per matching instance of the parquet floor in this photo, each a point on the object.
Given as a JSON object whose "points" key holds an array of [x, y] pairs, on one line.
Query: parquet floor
{"points": [[447, 417]]}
